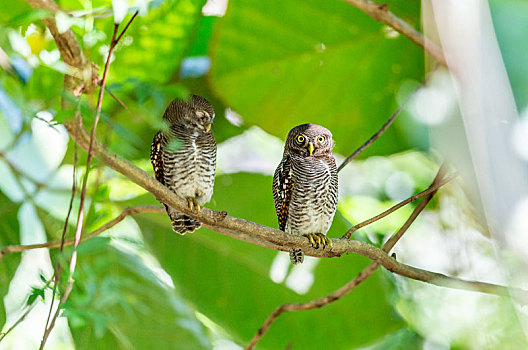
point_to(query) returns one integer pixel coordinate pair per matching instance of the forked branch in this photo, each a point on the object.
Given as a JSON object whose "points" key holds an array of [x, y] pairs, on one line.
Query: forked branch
{"points": [[362, 276]]}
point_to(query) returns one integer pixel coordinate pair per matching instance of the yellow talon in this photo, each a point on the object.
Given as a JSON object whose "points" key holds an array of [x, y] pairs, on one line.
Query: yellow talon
{"points": [[310, 239], [318, 239], [323, 240], [193, 204]]}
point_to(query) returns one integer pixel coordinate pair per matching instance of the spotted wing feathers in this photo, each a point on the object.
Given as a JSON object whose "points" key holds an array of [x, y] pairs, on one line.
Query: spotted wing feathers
{"points": [[156, 156], [282, 190]]}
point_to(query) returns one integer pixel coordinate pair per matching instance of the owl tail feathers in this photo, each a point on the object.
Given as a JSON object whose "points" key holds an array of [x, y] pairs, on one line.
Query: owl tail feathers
{"points": [[296, 256], [182, 223]]}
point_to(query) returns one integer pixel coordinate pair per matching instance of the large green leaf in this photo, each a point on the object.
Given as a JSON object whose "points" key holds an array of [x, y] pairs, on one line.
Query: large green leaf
{"points": [[9, 235], [283, 63], [13, 9], [229, 280], [118, 303]]}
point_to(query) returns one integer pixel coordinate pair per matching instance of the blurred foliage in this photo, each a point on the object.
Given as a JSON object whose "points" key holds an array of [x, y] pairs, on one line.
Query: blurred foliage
{"points": [[229, 280], [120, 303], [333, 65], [277, 64], [509, 18]]}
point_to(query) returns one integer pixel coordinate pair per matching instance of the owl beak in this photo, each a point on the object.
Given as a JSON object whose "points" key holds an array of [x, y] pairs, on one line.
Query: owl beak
{"points": [[310, 148], [207, 127]]}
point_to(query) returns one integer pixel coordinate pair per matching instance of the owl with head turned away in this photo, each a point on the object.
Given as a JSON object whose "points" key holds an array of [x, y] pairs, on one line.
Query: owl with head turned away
{"points": [[305, 186], [183, 156]]}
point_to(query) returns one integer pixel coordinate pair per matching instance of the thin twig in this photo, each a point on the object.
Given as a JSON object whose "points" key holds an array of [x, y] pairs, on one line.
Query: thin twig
{"points": [[278, 240], [56, 244], [125, 29], [80, 216], [117, 100], [24, 315], [256, 233], [433, 188], [363, 275], [20, 319], [388, 123], [419, 208], [58, 270], [380, 13], [127, 211], [74, 189]]}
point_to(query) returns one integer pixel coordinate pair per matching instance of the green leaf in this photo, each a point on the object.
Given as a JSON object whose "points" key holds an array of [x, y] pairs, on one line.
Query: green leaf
{"points": [[229, 280], [13, 10], [9, 263], [35, 293], [28, 17], [119, 303], [159, 42], [203, 37], [93, 245], [332, 65]]}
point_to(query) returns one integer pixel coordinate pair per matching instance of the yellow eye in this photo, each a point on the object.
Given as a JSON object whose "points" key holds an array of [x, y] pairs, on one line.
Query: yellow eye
{"points": [[300, 139], [321, 139]]}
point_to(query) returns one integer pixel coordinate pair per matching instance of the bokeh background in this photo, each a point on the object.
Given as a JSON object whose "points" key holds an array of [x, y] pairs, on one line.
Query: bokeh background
{"points": [[266, 66]]}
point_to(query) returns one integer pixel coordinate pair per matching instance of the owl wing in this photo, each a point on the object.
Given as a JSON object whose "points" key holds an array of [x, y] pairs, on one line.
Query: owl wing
{"points": [[156, 157], [282, 190]]}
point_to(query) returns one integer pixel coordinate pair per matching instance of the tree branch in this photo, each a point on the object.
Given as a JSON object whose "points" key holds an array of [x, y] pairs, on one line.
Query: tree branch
{"points": [[263, 235], [253, 232], [17, 322], [432, 189], [82, 78], [256, 233], [80, 216], [363, 275], [67, 242], [159, 210], [380, 13]]}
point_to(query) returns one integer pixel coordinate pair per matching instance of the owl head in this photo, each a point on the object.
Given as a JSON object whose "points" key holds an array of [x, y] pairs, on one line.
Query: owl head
{"points": [[309, 140], [195, 112]]}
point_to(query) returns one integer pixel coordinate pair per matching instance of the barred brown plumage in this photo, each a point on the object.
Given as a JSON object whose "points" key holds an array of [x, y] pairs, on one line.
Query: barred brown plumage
{"points": [[184, 157], [305, 186]]}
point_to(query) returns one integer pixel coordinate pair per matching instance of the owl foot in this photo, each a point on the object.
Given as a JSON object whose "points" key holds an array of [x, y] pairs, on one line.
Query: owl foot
{"points": [[296, 256], [318, 239], [193, 204]]}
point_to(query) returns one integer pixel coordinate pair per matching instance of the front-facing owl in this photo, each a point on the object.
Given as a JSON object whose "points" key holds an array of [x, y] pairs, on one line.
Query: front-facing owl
{"points": [[184, 156], [305, 186]]}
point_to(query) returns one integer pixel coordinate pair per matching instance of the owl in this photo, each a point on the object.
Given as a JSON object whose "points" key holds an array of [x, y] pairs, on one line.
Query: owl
{"points": [[305, 186], [184, 157]]}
